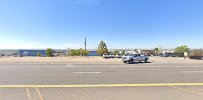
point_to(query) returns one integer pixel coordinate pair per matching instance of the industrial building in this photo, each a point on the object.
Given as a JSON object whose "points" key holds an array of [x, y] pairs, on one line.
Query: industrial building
{"points": [[32, 52], [92, 53], [55, 52]]}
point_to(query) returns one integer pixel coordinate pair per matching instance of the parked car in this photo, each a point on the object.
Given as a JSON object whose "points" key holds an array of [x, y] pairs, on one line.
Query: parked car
{"points": [[119, 56], [131, 58], [105, 55], [111, 56], [168, 55], [17, 55]]}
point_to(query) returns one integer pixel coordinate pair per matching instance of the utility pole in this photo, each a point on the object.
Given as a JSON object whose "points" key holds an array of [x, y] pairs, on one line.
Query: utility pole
{"points": [[85, 44]]}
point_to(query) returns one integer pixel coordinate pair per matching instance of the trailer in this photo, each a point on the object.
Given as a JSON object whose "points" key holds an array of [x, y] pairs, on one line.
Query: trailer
{"points": [[196, 54]]}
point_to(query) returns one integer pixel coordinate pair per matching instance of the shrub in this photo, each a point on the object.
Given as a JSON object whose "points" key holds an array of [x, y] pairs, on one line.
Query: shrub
{"points": [[49, 52], [39, 54]]}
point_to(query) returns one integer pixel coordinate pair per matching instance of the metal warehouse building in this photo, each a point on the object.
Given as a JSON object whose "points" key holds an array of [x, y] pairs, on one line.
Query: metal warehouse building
{"points": [[55, 52], [92, 53], [32, 52]]}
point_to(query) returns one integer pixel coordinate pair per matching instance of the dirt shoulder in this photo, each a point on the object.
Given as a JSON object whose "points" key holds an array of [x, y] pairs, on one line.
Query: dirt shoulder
{"points": [[85, 60], [175, 60], [91, 60]]}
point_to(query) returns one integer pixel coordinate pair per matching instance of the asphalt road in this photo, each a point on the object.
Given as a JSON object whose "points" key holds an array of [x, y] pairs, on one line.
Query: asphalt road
{"points": [[97, 74]]}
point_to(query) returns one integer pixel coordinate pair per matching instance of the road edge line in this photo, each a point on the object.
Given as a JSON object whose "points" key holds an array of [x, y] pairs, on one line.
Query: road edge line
{"points": [[101, 85]]}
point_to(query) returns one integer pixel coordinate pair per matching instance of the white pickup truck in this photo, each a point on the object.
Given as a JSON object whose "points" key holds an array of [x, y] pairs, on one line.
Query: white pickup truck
{"points": [[131, 58]]}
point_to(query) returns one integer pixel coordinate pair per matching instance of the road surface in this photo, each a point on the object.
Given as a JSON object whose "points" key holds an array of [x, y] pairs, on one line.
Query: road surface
{"points": [[101, 82]]}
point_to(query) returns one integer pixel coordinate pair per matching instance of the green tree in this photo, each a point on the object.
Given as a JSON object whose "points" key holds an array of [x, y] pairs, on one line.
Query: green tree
{"points": [[77, 52], [39, 54], [136, 50], [102, 48], [83, 52], [86, 53], [123, 52], [111, 52], [181, 49], [49, 52], [72, 52], [116, 52], [157, 50]]}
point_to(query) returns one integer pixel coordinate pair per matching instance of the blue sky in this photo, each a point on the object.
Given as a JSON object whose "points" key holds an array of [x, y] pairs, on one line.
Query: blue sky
{"points": [[120, 23]]}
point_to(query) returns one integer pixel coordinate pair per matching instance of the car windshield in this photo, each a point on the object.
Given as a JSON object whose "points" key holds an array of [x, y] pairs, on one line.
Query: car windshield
{"points": [[130, 55]]}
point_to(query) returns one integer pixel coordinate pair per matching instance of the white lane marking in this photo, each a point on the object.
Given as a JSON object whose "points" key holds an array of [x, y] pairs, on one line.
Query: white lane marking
{"points": [[39, 94], [192, 71], [69, 65], [87, 72], [156, 66], [187, 90], [28, 94], [101, 85]]}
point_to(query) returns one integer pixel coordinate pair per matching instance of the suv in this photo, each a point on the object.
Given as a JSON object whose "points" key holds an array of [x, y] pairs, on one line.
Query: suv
{"points": [[111, 56], [119, 56], [105, 55], [131, 58]]}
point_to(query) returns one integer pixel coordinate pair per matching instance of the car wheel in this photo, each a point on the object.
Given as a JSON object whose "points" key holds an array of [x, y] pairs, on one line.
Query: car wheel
{"points": [[124, 62], [131, 61], [146, 60]]}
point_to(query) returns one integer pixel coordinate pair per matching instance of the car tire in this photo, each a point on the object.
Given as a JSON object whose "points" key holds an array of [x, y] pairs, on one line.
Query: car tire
{"points": [[131, 61], [124, 62], [146, 61]]}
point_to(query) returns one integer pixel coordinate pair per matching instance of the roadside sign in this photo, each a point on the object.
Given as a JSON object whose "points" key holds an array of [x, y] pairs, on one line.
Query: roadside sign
{"points": [[185, 54]]}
